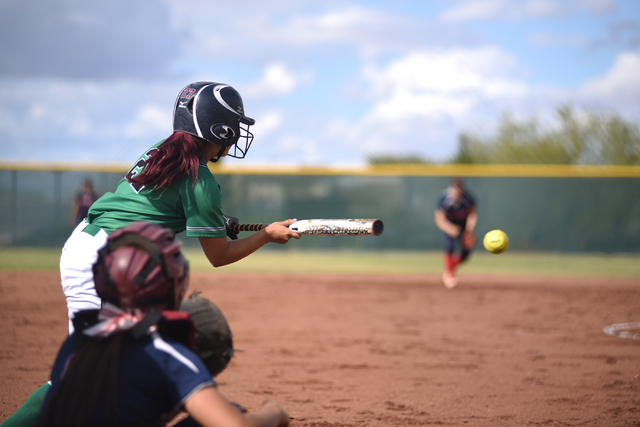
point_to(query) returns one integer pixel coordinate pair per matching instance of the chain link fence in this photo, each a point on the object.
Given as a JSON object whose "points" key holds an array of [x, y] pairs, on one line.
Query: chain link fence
{"points": [[568, 214]]}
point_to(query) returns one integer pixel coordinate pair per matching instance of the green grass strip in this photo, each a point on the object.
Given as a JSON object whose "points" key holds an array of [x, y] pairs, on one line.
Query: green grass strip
{"points": [[264, 261], [30, 259]]}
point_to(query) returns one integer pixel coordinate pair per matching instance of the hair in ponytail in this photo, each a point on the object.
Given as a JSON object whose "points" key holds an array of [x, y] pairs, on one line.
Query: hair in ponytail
{"points": [[175, 157], [89, 385]]}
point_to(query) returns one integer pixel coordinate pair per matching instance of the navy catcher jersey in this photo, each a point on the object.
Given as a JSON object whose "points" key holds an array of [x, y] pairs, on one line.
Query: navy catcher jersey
{"points": [[456, 211], [157, 377]]}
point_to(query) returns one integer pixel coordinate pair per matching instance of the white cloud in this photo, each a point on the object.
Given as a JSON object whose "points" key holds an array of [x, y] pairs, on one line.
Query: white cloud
{"points": [[518, 10], [257, 28], [437, 84], [313, 34], [598, 7], [297, 64], [422, 100], [276, 80], [542, 38], [472, 10], [149, 117], [268, 124], [69, 120], [289, 149], [620, 86], [39, 110], [80, 125], [350, 24]]}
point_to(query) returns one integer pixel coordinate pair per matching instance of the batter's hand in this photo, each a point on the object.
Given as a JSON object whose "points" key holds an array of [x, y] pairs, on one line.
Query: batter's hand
{"points": [[279, 232]]}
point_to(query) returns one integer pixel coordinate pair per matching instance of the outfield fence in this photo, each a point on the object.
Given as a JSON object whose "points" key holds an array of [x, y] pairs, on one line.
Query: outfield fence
{"points": [[541, 208]]}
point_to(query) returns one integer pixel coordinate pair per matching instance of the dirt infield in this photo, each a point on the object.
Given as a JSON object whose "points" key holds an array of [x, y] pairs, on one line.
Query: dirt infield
{"points": [[354, 350]]}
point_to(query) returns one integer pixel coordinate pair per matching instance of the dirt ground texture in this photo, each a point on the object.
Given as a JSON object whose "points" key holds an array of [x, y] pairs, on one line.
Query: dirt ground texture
{"points": [[383, 350]]}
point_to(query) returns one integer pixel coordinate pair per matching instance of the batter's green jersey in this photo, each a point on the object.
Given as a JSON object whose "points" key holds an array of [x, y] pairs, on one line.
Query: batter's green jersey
{"points": [[181, 206]]}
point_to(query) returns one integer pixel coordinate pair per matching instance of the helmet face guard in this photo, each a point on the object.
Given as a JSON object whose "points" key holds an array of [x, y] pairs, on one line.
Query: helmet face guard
{"points": [[215, 113], [246, 138]]}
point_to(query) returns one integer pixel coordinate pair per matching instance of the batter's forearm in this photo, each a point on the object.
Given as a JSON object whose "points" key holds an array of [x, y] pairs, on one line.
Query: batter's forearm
{"points": [[241, 248], [221, 252]]}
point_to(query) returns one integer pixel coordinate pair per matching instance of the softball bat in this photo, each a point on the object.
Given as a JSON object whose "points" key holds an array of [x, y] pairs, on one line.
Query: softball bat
{"points": [[326, 227]]}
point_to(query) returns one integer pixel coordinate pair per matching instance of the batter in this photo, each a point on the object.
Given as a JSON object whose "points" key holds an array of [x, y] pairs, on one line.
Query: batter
{"points": [[171, 185]]}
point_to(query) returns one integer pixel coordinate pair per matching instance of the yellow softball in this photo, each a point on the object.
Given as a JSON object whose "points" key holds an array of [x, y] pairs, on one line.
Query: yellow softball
{"points": [[496, 241]]}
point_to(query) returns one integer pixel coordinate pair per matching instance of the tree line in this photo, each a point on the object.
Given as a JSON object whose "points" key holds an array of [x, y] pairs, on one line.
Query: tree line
{"points": [[578, 138]]}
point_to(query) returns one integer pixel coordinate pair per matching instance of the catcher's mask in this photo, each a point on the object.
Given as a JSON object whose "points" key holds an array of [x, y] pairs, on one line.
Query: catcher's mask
{"points": [[214, 112], [141, 266]]}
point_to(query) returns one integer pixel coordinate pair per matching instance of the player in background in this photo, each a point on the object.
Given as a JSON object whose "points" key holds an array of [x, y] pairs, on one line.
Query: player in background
{"points": [[171, 185], [82, 202], [456, 216], [130, 363]]}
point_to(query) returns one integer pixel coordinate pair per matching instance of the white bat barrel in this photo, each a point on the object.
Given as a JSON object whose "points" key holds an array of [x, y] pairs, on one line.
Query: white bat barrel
{"points": [[339, 227]]}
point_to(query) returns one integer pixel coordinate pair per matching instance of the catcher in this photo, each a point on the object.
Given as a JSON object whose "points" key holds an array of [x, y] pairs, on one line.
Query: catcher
{"points": [[456, 216], [131, 362]]}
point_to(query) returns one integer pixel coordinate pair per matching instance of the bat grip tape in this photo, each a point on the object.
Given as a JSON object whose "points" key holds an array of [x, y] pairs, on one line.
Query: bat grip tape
{"points": [[247, 227]]}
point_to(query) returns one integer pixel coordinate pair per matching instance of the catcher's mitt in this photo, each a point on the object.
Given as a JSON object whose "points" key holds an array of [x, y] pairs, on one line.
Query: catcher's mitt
{"points": [[468, 239], [214, 342]]}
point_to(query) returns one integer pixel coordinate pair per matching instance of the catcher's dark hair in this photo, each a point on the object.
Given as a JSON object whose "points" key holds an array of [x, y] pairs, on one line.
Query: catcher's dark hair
{"points": [[81, 393], [176, 156]]}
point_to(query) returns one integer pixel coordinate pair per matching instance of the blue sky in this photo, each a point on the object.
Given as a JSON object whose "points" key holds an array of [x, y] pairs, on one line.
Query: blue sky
{"points": [[329, 82]]}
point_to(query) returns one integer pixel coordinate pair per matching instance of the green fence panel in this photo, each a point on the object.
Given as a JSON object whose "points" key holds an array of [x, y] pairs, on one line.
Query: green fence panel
{"points": [[538, 213]]}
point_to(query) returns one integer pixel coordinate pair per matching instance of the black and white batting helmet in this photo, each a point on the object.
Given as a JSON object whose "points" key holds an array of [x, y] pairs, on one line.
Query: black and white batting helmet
{"points": [[214, 112]]}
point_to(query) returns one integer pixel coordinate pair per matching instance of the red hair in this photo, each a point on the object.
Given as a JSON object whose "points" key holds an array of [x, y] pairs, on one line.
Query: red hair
{"points": [[175, 157]]}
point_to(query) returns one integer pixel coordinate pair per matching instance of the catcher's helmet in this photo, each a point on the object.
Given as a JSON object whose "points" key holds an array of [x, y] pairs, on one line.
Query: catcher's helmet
{"points": [[141, 266], [213, 111]]}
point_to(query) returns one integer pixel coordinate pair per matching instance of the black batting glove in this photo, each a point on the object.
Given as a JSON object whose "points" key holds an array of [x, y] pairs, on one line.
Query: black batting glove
{"points": [[228, 222]]}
